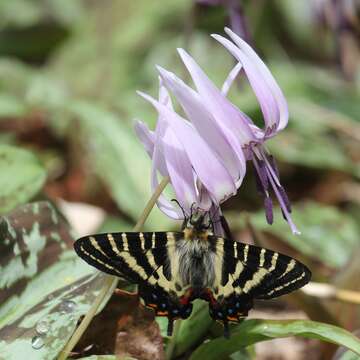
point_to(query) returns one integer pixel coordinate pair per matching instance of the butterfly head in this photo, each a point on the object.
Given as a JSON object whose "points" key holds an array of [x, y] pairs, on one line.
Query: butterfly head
{"points": [[199, 220]]}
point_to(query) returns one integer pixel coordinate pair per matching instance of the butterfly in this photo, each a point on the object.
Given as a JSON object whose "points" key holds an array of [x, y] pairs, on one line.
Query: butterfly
{"points": [[172, 269]]}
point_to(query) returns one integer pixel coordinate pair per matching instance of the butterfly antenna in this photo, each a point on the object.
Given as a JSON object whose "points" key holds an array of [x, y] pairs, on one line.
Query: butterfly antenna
{"points": [[191, 210], [182, 209]]}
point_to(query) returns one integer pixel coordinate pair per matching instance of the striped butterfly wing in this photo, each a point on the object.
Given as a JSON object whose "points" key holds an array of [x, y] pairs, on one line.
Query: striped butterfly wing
{"points": [[142, 258], [133, 256], [246, 272]]}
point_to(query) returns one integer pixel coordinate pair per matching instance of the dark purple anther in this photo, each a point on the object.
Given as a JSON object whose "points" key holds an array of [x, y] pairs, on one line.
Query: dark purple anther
{"points": [[263, 174], [274, 166], [268, 210], [285, 198]]}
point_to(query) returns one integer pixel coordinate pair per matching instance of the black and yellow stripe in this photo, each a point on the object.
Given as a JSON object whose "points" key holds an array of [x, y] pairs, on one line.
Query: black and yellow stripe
{"points": [[239, 272], [256, 271]]}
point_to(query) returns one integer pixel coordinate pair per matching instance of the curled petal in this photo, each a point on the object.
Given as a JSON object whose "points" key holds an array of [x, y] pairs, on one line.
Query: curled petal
{"points": [[164, 97], [273, 85], [205, 124], [165, 205], [267, 91], [159, 164], [233, 122], [204, 197], [210, 170], [146, 136], [180, 170], [230, 78], [263, 94]]}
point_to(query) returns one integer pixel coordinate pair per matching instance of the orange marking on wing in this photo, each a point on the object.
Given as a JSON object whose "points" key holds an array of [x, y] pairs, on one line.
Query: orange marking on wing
{"points": [[162, 313]]}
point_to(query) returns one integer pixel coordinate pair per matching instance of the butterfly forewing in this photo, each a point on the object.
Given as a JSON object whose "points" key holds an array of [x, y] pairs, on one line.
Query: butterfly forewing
{"points": [[144, 259]]}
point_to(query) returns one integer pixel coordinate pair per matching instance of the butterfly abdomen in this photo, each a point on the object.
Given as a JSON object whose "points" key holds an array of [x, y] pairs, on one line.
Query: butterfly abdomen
{"points": [[196, 264]]}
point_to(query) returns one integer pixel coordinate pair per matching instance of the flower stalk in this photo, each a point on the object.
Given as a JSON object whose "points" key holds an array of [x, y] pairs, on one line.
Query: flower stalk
{"points": [[111, 281]]}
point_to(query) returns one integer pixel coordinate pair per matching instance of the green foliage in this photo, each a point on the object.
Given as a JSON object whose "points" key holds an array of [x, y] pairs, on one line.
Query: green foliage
{"points": [[327, 234], [191, 330], [45, 287], [22, 176], [90, 58], [252, 331], [347, 355]]}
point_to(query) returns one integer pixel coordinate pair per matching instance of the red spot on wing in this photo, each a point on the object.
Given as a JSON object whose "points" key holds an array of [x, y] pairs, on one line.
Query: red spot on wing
{"points": [[187, 297], [208, 296]]}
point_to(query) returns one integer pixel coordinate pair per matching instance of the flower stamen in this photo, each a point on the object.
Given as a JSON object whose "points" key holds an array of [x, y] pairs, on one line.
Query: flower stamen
{"points": [[266, 176]]}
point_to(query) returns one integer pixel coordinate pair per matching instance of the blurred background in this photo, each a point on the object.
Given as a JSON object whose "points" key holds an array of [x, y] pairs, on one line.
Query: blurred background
{"points": [[68, 75]]}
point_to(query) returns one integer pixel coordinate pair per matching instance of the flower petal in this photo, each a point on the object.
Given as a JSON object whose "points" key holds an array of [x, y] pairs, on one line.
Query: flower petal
{"points": [[211, 172], [267, 91], [233, 122], [159, 164], [145, 135], [164, 97], [230, 78], [268, 77], [180, 170], [263, 94], [205, 124]]}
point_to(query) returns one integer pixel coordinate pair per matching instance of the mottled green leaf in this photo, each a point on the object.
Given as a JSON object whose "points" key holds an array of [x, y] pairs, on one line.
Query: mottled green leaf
{"points": [[22, 176], [327, 233], [253, 331], [45, 287]]}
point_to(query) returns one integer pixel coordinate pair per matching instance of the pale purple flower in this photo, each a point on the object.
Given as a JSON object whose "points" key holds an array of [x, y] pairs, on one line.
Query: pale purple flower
{"points": [[275, 113], [197, 174], [205, 155]]}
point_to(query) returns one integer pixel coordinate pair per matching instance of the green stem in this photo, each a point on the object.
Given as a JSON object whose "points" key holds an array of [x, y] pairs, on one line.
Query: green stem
{"points": [[172, 344], [111, 281]]}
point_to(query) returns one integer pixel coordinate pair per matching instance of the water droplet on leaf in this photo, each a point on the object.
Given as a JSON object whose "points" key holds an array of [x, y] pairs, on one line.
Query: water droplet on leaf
{"points": [[67, 306], [42, 327], [37, 342]]}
